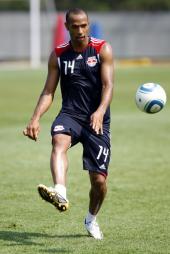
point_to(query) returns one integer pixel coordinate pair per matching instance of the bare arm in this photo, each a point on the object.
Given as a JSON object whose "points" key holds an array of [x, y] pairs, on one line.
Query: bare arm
{"points": [[106, 57], [45, 100]]}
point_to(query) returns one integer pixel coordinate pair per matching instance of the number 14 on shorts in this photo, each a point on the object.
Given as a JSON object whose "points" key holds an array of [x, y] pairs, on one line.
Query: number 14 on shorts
{"points": [[103, 151]]}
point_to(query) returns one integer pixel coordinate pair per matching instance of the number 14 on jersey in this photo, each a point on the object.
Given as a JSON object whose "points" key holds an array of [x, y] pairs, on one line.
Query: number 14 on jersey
{"points": [[69, 65]]}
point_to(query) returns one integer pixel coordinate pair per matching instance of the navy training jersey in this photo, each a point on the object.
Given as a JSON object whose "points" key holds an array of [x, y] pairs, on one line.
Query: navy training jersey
{"points": [[80, 79]]}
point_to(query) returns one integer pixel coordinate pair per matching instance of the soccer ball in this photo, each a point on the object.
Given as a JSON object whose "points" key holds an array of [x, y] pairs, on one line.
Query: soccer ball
{"points": [[150, 98]]}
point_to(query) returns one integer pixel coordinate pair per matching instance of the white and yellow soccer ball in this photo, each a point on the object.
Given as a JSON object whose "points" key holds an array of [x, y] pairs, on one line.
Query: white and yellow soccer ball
{"points": [[150, 98]]}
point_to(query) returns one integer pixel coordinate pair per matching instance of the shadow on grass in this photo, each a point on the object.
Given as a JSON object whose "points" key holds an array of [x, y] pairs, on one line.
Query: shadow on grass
{"points": [[20, 238], [71, 236], [27, 238]]}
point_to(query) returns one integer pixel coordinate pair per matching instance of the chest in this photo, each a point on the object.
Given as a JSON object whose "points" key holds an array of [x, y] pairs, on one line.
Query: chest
{"points": [[73, 63]]}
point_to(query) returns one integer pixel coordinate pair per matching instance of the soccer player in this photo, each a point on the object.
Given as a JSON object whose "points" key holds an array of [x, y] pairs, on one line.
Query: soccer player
{"points": [[84, 66]]}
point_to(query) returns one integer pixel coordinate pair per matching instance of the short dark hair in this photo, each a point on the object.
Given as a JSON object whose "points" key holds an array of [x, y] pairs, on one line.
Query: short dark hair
{"points": [[74, 11]]}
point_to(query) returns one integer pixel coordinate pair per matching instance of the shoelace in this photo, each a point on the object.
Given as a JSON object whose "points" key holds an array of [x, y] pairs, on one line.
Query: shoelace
{"points": [[93, 223], [61, 199]]}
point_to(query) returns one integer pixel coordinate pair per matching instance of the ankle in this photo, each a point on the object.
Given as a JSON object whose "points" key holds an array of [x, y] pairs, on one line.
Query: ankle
{"points": [[61, 189], [90, 217]]}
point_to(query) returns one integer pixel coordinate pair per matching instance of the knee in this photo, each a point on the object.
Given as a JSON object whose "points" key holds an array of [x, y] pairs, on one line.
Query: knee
{"points": [[98, 182], [60, 143]]}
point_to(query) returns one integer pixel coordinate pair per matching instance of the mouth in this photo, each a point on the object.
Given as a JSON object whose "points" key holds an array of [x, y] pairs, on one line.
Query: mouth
{"points": [[82, 37]]}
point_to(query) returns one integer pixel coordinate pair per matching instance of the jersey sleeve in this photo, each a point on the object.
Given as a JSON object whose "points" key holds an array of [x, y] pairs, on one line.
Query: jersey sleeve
{"points": [[97, 44], [61, 48]]}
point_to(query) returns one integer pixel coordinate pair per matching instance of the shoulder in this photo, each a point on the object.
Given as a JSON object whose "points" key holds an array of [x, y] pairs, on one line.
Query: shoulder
{"points": [[96, 43], [106, 47], [106, 52], [103, 48], [59, 50], [52, 61]]}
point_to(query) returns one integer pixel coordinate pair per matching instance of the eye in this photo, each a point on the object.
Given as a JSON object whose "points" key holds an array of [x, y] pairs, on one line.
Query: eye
{"points": [[74, 26], [83, 26]]}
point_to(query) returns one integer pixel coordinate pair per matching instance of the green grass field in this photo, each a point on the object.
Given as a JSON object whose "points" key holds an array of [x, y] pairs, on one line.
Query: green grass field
{"points": [[135, 217]]}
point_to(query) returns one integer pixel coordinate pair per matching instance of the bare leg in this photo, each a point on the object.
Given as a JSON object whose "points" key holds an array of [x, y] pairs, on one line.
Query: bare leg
{"points": [[59, 162], [97, 193]]}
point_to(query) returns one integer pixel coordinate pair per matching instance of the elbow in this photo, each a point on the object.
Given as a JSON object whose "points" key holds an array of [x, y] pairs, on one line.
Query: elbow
{"points": [[47, 94], [108, 87]]}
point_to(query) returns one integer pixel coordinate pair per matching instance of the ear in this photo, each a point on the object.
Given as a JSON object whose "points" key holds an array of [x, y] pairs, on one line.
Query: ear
{"points": [[66, 25]]}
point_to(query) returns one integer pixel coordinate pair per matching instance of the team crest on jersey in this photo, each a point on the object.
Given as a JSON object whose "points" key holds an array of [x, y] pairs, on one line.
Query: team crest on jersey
{"points": [[91, 61]]}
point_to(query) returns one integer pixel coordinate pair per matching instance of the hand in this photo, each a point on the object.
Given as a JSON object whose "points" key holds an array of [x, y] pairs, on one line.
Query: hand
{"points": [[32, 130], [96, 121]]}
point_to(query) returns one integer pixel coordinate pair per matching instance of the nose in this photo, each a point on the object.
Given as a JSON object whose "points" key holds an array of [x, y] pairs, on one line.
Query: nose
{"points": [[80, 31]]}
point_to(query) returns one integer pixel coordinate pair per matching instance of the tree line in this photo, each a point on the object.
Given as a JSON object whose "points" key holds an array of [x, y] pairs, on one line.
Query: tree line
{"points": [[91, 5]]}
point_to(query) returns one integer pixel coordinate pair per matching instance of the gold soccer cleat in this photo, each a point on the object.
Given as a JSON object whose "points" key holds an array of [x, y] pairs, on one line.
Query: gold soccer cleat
{"points": [[50, 195]]}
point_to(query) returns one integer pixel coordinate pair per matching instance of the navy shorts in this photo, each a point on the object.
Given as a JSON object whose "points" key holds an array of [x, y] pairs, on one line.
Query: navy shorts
{"points": [[96, 148]]}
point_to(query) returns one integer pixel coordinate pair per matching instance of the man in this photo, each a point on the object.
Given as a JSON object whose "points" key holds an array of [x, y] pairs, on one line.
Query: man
{"points": [[84, 66]]}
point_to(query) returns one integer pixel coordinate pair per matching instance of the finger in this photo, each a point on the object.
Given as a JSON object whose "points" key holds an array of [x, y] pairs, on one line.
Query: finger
{"points": [[94, 125], [31, 137], [30, 133], [27, 135], [37, 130], [25, 132], [97, 131], [36, 135], [33, 133], [96, 128], [101, 129]]}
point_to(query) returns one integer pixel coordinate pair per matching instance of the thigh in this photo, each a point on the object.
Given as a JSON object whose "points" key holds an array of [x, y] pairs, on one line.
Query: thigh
{"points": [[96, 153], [65, 124]]}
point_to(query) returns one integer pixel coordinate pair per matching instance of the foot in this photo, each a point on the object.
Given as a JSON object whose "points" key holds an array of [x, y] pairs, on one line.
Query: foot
{"points": [[50, 195], [93, 229]]}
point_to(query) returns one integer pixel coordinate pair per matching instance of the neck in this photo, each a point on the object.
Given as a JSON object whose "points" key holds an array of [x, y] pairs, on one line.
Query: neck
{"points": [[79, 46]]}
